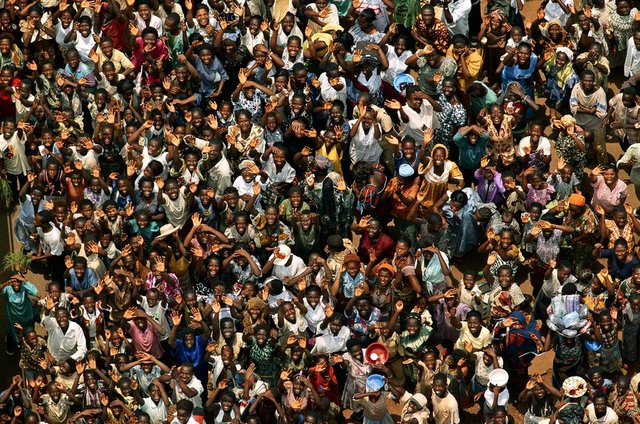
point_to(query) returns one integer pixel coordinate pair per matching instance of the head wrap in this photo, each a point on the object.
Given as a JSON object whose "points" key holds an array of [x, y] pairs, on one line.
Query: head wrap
{"points": [[255, 302], [441, 146], [406, 170], [565, 50], [332, 27], [577, 200], [388, 267]]}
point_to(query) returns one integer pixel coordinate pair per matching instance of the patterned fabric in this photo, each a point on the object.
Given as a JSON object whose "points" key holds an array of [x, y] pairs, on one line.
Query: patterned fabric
{"points": [[568, 150], [615, 233], [437, 34], [451, 118], [502, 140]]}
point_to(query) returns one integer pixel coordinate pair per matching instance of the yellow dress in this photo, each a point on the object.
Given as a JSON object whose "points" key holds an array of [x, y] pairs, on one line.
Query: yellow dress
{"points": [[434, 186], [333, 156]]}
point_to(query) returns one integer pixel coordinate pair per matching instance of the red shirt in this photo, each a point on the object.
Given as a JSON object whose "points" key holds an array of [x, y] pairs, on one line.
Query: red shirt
{"points": [[384, 247]]}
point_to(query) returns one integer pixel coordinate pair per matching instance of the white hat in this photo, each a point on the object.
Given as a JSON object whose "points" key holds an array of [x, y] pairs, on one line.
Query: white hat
{"points": [[498, 377], [165, 230], [284, 252], [406, 170]]}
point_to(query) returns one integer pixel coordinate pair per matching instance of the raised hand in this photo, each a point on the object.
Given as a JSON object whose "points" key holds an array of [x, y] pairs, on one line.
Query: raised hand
{"points": [[176, 318]]}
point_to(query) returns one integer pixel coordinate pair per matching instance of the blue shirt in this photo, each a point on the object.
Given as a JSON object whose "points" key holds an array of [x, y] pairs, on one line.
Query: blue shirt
{"points": [[618, 270], [210, 76], [470, 154], [90, 280], [194, 356]]}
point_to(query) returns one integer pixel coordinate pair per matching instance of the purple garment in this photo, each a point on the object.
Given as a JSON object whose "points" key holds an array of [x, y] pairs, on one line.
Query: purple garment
{"points": [[489, 192], [444, 329]]}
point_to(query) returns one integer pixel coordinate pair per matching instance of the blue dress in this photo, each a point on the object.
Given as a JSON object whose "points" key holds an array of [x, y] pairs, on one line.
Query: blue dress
{"points": [[19, 308]]}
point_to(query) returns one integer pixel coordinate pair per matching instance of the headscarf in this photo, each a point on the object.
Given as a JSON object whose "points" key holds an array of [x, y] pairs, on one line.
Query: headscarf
{"points": [[421, 415], [441, 146], [388, 267], [523, 337], [564, 74], [577, 199]]}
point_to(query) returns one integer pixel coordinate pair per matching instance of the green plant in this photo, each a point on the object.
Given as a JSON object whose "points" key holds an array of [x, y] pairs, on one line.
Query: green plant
{"points": [[7, 203], [15, 261]]}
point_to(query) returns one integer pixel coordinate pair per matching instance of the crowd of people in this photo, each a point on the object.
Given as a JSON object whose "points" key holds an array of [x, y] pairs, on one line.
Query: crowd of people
{"points": [[289, 211]]}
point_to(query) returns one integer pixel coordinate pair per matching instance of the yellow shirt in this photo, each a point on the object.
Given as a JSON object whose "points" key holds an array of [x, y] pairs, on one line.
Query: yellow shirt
{"points": [[333, 156], [474, 64], [119, 59]]}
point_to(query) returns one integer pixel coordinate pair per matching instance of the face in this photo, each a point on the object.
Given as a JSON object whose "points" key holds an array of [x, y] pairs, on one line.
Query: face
{"points": [[62, 318], [504, 278], [73, 60], [474, 325], [172, 190], [364, 308], [554, 31], [497, 115], [261, 337], [587, 82], [610, 176], [620, 252], [440, 388], [523, 55], [413, 326], [356, 352], [402, 249]]}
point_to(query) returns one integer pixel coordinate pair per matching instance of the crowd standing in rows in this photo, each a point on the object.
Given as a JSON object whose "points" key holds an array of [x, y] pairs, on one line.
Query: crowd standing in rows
{"points": [[311, 211]]}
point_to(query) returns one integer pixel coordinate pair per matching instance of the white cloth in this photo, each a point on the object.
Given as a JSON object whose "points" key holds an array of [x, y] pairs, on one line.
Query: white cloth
{"points": [[157, 413], [71, 344], [503, 396], [632, 152], [13, 152], [328, 343], [418, 121], [194, 384], [397, 64], [364, 146], [610, 417], [460, 10], [553, 11], [544, 146], [632, 61], [329, 93]]}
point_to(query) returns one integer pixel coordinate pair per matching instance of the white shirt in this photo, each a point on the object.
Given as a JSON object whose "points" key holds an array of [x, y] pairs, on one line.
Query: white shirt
{"points": [[553, 11], [296, 267], [503, 397], [544, 146], [418, 121], [397, 64], [364, 145], [71, 344], [328, 343], [89, 160], [329, 93], [610, 417], [194, 384], [460, 13], [314, 316], [158, 313], [13, 152], [154, 22], [51, 242], [632, 152], [157, 413], [632, 61]]}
